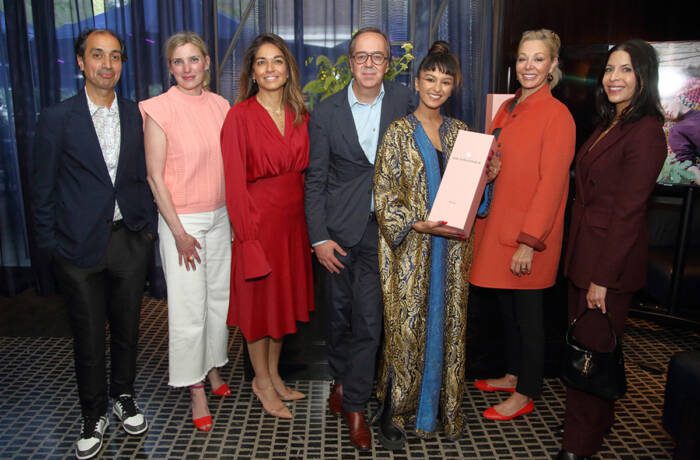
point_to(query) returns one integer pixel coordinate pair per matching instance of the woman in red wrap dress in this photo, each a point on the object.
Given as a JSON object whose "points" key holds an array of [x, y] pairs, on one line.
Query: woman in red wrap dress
{"points": [[265, 146]]}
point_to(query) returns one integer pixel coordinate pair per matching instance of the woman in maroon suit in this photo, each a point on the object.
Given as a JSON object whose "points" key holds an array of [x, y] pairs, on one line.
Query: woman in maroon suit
{"points": [[616, 170]]}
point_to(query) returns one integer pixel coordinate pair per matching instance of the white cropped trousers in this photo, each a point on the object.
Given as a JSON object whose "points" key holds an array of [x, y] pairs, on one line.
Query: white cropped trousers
{"points": [[197, 299]]}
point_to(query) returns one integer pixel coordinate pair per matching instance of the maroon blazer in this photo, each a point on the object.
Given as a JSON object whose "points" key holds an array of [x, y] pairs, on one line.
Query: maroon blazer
{"points": [[608, 236]]}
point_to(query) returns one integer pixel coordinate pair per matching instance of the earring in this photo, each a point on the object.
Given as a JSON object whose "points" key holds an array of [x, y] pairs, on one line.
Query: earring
{"points": [[254, 82], [550, 77]]}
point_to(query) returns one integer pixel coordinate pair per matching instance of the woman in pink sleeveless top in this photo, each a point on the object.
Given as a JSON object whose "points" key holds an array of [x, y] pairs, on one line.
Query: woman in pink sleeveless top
{"points": [[185, 172]]}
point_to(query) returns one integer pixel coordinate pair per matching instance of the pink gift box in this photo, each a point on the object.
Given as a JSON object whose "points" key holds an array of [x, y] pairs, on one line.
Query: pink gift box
{"points": [[493, 103], [463, 182]]}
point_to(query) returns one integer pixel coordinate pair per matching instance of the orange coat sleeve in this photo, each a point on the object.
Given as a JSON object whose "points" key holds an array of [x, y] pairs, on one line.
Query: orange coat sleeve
{"points": [[557, 152], [248, 251]]}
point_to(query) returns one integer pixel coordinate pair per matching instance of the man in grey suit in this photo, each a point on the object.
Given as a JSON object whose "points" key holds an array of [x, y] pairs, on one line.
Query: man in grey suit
{"points": [[345, 132]]}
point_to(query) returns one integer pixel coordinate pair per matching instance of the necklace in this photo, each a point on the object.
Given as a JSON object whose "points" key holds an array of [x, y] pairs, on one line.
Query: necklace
{"points": [[276, 111], [277, 115]]}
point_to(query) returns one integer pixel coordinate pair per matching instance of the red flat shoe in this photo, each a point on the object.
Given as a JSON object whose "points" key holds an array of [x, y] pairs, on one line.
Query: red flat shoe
{"points": [[222, 391], [492, 414], [484, 385]]}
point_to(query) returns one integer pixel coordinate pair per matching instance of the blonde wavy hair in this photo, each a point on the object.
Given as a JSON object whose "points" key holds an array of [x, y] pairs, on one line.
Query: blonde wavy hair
{"points": [[553, 43]]}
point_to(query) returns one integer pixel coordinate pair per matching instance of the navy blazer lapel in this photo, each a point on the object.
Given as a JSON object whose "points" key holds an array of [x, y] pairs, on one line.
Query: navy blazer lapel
{"points": [[345, 124], [122, 137], [92, 153], [387, 110]]}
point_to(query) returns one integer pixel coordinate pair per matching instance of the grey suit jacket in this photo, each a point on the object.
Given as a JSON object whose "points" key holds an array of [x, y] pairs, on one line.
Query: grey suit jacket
{"points": [[338, 187]]}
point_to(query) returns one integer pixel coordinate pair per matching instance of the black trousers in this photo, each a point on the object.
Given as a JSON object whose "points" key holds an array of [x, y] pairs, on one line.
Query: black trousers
{"points": [[589, 417], [110, 292], [523, 325], [355, 320]]}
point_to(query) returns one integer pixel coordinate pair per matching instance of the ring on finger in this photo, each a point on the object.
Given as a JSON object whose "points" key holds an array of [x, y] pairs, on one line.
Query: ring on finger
{"points": [[190, 258]]}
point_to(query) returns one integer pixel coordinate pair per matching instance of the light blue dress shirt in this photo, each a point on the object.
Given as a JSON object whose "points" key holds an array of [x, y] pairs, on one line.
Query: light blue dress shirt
{"points": [[367, 118]]}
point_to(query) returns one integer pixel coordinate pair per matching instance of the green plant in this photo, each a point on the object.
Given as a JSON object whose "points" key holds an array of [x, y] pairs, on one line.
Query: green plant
{"points": [[331, 77]]}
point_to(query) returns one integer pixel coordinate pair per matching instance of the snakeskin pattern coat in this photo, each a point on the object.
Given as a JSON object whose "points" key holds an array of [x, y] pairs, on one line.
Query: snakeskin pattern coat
{"points": [[401, 199]]}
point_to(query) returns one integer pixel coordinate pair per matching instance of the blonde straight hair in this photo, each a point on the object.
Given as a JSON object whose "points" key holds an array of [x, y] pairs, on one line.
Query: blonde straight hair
{"points": [[183, 38]]}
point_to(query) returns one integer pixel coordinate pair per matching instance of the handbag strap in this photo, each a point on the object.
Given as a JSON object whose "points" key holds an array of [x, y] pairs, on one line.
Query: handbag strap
{"points": [[585, 311]]}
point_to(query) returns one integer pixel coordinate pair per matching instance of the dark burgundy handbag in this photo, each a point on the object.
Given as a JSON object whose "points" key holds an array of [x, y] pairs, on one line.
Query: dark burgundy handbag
{"points": [[600, 373]]}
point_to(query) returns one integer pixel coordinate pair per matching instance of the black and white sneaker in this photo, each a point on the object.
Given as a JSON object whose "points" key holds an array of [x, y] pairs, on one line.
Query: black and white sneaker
{"points": [[91, 434], [126, 410]]}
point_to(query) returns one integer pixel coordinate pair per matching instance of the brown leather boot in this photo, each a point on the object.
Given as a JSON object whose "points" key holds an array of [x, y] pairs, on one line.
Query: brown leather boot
{"points": [[335, 400], [360, 434]]}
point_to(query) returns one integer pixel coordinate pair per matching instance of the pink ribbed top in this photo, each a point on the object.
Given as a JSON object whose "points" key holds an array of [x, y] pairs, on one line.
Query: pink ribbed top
{"points": [[194, 173]]}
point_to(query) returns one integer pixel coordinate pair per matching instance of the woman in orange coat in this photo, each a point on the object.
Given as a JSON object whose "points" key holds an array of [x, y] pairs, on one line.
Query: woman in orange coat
{"points": [[517, 246]]}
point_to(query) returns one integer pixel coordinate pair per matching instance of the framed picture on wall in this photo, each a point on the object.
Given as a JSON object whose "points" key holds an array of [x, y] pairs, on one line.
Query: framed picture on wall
{"points": [[679, 88]]}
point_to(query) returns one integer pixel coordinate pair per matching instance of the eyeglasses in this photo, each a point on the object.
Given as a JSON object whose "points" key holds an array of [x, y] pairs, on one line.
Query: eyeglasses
{"points": [[377, 58]]}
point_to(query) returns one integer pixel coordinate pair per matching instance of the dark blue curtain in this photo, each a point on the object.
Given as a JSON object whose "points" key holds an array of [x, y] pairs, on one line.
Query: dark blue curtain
{"points": [[17, 129], [467, 26], [38, 68]]}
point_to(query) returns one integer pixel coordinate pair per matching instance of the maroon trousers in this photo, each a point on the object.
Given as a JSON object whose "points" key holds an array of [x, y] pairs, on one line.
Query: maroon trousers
{"points": [[588, 417]]}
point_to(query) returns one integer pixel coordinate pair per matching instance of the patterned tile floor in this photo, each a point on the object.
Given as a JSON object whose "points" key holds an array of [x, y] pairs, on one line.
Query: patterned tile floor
{"points": [[39, 409]]}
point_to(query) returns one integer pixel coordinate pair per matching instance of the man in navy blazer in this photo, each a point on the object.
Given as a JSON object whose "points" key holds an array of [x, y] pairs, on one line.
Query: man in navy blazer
{"points": [[95, 219], [345, 131]]}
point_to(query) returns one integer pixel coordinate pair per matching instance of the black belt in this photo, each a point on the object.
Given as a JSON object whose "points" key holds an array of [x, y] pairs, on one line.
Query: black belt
{"points": [[117, 224]]}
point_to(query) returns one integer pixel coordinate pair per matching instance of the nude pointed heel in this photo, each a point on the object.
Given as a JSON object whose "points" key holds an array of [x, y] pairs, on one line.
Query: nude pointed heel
{"points": [[281, 411], [290, 394]]}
